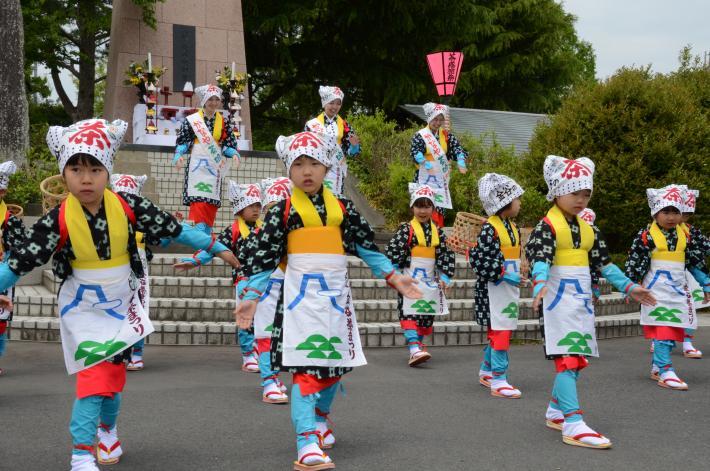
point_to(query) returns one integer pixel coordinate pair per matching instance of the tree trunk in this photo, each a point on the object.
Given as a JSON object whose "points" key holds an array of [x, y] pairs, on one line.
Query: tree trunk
{"points": [[14, 118], [87, 64]]}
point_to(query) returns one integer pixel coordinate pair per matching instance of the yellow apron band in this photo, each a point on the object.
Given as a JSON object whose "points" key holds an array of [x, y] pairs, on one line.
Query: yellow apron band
{"points": [[339, 122], [661, 251], [323, 239], [565, 253], [244, 229], [419, 232], [218, 125], [304, 207], [509, 248]]}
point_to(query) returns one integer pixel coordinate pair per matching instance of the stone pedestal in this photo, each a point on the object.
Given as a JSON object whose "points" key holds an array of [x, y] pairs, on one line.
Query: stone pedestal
{"points": [[219, 41]]}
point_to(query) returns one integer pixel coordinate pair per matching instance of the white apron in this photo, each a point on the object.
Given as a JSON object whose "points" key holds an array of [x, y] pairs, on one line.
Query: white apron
{"points": [[204, 178], [503, 300], [319, 326], [266, 309], [438, 177], [696, 292], [100, 315], [433, 302], [568, 312], [675, 307]]}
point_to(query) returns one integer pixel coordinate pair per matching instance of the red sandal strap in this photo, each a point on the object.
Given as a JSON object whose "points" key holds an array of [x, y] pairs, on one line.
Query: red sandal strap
{"points": [[505, 388], [588, 434], [668, 380], [278, 393], [316, 433], [109, 450], [556, 421], [309, 454], [580, 412], [88, 448]]}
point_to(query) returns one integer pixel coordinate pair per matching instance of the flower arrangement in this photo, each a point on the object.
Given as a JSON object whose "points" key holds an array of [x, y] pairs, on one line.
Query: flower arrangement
{"points": [[143, 77], [227, 79]]}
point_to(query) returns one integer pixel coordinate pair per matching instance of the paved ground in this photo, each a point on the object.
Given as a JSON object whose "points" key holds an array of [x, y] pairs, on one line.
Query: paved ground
{"points": [[191, 409]]}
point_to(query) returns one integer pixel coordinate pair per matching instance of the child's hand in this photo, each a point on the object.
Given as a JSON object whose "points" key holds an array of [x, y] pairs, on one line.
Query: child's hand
{"points": [[446, 288], [523, 281], [406, 285], [244, 313], [5, 303], [179, 162], [354, 139], [230, 258], [462, 170], [538, 298], [643, 296]]}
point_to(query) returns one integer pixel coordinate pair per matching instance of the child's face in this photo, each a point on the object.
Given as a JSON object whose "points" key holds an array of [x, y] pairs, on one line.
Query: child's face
{"points": [[512, 210], [86, 182], [307, 174], [668, 217], [573, 203], [333, 108], [422, 210], [251, 212]]}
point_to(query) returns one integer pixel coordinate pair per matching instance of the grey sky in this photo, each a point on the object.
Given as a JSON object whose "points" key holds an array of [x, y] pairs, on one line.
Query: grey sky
{"points": [[641, 32]]}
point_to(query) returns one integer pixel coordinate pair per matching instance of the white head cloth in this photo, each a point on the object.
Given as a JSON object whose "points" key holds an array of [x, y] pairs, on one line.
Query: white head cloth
{"points": [[432, 110], [95, 137], [564, 176], [496, 191], [243, 195], [6, 170], [132, 184], [328, 94], [315, 145], [691, 199], [417, 191], [205, 92], [669, 196], [275, 189]]}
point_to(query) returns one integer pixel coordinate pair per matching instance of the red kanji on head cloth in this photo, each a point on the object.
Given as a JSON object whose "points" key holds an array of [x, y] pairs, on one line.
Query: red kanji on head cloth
{"points": [[574, 169], [92, 134], [126, 181], [279, 188], [305, 139], [673, 194], [253, 190]]}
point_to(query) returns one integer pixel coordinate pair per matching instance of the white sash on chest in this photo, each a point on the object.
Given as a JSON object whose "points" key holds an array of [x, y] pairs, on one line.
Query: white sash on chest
{"points": [[503, 300], [433, 302], [568, 312], [266, 309], [675, 306], [335, 177], [319, 324], [100, 315], [206, 162], [438, 176]]}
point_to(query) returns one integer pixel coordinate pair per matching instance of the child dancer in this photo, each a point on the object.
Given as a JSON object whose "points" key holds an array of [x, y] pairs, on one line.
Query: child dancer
{"points": [[207, 136], [689, 351], [562, 250], [315, 333], [246, 206], [13, 234], [659, 256], [91, 237], [133, 185], [496, 261], [330, 123], [273, 190], [432, 148], [419, 249]]}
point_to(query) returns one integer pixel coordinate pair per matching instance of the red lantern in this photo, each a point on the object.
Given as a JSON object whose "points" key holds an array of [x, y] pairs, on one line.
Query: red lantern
{"points": [[445, 68]]}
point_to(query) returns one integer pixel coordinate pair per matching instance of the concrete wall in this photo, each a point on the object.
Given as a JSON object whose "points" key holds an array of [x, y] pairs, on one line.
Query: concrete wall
{"points": [[219, 41]]}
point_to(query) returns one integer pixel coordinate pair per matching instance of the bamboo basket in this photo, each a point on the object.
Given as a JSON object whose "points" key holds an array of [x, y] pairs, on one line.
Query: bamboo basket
{"points": [[54, 191], [16, 210], [466, 228]]}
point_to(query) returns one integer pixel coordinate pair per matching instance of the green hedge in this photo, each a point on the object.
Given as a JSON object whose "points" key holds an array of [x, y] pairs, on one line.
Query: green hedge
{"points": [[40, 164]]}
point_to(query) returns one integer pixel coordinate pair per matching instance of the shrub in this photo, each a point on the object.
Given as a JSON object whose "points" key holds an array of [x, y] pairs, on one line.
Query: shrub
{"points": [[24, 185]]}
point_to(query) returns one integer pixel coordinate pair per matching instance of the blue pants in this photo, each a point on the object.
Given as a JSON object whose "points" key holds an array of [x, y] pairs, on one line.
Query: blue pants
{"points": [[3, 341], [303, 412], [662, 354], [564, 391], [138, 347], [246, 341], [265, 370], [689, 335], [495, 361], [86, 415]]}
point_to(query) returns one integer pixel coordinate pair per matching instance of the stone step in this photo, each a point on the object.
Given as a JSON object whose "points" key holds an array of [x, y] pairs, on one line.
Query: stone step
{"points": [[376, 334], [222, 288], [40, 302]]}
